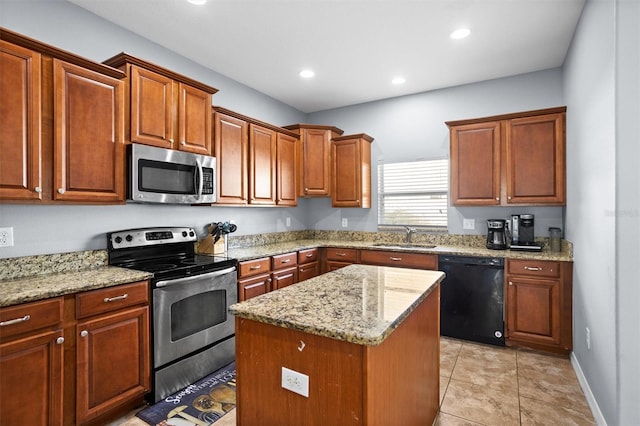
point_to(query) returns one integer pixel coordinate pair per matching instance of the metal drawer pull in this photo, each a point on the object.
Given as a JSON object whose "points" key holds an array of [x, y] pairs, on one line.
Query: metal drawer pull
{"points": [[255, 268], [395, 259], [84, 333], [60, 340], [113, 299], [341, 254], [15, 321], [285, 261], [308, 255], [533, 268]]}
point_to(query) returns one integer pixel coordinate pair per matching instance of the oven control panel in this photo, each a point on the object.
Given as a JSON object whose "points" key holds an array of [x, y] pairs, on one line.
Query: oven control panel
{"points": [[150, 236]]}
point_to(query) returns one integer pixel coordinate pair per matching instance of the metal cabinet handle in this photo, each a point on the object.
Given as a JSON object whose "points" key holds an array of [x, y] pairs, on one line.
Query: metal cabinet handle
{"points": [[60, 190], [497, 198], [183, 143], [395, 259], [113, 299], [341, 254], [510, 283], [255, 268], [285, 261], [15, 320], [308, 255], [533, 268], [38, 189], [84, 333], [60, 340], [171, 141]]}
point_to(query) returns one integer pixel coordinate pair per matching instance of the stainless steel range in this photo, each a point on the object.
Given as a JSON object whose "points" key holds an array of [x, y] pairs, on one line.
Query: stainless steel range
{"points": [[193, 331]]}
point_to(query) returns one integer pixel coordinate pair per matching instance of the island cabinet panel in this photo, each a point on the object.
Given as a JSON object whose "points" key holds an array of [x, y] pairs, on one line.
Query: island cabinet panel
{"points": [[538, 305], [20, 109], [395, 382], [399, 259]]}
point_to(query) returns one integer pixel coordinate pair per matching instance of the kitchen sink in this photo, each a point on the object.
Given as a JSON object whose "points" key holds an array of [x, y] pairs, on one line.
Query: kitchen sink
{"points": [[404, 245]]}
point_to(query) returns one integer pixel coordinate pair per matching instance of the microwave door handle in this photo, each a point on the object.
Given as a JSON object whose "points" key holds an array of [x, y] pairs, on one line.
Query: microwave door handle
{"points": [[200, 179]]}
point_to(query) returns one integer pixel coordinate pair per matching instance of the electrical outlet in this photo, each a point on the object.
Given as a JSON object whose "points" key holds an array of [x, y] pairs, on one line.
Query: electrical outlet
{"points": [[6, 237], [295, 382], [288, 221], [468, 224], [345, 222], [588, 338]]}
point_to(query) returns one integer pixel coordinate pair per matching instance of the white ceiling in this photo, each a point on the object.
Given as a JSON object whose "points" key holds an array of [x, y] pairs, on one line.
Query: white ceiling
{"points": [[355, 46]]}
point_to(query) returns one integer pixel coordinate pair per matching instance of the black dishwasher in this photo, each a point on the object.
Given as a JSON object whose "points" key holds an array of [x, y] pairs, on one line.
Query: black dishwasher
{"points": [[471, 298]]}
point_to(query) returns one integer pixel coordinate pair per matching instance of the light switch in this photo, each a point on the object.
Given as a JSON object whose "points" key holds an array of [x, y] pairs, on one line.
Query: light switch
{"points": [[468, 224]]}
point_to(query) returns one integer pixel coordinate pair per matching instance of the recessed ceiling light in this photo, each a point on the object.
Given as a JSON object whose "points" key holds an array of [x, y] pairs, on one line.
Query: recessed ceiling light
{"points": [[398, 80], [307, 73], [460, 33], [197, 2]]}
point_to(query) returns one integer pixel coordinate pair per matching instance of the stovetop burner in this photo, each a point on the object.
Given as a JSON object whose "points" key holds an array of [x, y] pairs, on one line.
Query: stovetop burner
{"points": [[166, 252]]}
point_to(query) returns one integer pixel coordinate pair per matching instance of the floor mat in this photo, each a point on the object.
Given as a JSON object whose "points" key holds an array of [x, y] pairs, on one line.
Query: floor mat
{"points": [[201, 403]]}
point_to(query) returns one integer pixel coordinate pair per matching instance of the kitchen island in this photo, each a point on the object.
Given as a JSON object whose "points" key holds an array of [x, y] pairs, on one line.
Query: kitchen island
{"points": [[366, 338]]}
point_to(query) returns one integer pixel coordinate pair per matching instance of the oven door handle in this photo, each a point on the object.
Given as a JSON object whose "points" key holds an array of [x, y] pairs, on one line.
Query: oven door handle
{"points": [[213, 274]]}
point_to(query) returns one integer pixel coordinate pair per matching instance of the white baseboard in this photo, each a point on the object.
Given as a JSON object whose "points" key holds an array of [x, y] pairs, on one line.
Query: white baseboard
{"points": [[591, 400]]}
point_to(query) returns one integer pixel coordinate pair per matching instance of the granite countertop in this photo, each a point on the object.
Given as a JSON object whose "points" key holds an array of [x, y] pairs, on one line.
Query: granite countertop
{"points": [[360, 304], [36, 287], [255, 252]]}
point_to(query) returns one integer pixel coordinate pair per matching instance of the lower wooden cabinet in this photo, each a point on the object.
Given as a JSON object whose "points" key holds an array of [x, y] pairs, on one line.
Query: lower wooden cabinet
{"points": [[78, 359], [308, 264], [399, 259], [254, 278], [336, 258], [32, 363], [538, 304]]}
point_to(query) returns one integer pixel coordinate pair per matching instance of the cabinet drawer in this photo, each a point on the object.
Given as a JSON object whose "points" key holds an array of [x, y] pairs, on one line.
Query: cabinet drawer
{"points": [[342, 255], [254, 286], [284, 260], [254, 267], [284, 278], [307, 256], [308, 270], [30, 316], [399, 259], [534, 268], [111, 299]]}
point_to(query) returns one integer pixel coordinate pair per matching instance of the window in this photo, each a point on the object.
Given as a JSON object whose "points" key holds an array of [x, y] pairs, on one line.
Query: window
{"points": [[413, 194]]}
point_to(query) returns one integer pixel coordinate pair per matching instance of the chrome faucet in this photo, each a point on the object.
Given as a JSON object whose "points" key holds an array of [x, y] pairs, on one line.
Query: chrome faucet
{"points": [[410, 232]]}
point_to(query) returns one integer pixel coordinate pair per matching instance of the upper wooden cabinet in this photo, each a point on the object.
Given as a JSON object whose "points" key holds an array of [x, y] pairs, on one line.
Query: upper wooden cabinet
{"points": [[351, 178], [256, 161], [62, 129], [165, 109], [513, 159], [313, 157]]}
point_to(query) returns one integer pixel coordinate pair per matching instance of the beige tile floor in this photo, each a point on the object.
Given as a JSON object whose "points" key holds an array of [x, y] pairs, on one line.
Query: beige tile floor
{"points": [[488, 385]]}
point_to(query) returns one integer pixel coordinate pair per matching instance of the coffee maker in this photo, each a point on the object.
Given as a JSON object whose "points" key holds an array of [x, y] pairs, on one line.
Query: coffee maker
{"points": [[522, 237], [497, 234]]}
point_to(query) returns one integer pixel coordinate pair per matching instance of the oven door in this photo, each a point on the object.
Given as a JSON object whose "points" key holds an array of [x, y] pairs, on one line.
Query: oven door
{"points": [[191, 313]]}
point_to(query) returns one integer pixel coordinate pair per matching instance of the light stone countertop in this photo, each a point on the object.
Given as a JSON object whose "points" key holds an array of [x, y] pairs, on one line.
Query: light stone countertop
{"points": [[256, 252], [32, 288], [361, 304]]}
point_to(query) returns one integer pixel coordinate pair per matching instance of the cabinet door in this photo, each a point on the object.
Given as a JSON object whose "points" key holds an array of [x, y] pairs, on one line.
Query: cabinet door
{"points": [[194, 120], [89, 157], [254, 286], [31, 380], [533, 310], [284, 278], [20, 105], [231, 152], [262, 165], [315, 165], [113, 363], [308, 270], [346, 177], [535, 149], [286, 177], [151, 108], [475, 164]]}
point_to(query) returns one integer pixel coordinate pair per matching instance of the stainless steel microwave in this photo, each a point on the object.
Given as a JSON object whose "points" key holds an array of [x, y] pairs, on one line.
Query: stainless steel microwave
{"points": [[158, 175]]}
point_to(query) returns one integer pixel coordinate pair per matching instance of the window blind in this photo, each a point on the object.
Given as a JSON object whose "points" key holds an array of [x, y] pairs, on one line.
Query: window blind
{"points": [[413, 193]]}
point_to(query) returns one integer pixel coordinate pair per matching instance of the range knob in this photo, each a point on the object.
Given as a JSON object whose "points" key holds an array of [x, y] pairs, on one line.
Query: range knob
{"points": [[129, 238], [118, 240], [184, 234], [191, 233]]}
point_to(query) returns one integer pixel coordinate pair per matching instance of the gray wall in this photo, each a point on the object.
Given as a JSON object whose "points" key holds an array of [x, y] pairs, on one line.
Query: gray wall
{"points": [[413, 127], [602, 215]]}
